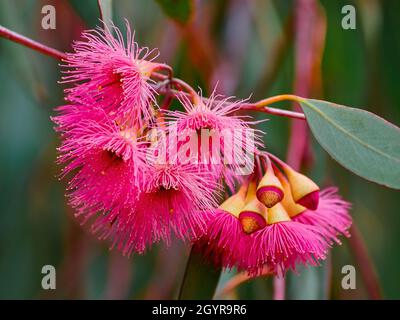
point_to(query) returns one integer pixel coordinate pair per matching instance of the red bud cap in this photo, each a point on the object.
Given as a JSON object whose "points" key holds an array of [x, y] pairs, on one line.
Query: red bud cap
{"points": [[310, 200]]}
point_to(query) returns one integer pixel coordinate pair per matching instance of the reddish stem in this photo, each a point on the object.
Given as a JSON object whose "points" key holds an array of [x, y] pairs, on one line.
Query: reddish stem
{"points": [[244, 106], [275, 111], [363, 260], [298, 142], [279, 288], [182, 85], [238, 280], [101, 11], [13, 36], [119, 276], [305, 18]]}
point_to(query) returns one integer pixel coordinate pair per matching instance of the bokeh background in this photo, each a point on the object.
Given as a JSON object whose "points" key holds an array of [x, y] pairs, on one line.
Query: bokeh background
{"points": [[249, 46]]}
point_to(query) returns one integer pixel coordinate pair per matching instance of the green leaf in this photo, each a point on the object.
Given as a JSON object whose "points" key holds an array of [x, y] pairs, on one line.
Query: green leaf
{"points": [[359, 140], [311, 283], [106, 11], [178, 10], [200, 280]]}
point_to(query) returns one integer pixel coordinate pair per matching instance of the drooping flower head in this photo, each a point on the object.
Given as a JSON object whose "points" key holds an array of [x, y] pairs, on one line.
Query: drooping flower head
{"points": [[115, 74], [274, 232]]}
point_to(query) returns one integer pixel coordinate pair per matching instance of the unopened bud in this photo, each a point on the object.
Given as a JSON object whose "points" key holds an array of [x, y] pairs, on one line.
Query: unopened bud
{"points": [[254, 213], [269, 190], [304, 190]]}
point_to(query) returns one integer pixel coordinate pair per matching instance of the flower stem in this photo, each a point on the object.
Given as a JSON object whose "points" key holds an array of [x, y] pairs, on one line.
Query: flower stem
{"points": [[238, 280], [364, 262], [279, 288], [278, 98], [243, 106], [274, 111], [13, 36]]}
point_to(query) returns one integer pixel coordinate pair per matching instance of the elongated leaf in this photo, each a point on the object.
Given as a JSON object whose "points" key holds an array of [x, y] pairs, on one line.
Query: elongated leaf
{"points": [[359, 140], [200, 280], [178, 10], [310, 284], [106, 12]]}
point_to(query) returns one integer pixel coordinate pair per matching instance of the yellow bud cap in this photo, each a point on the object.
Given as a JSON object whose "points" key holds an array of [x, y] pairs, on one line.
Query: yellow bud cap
{"points": [[254, 213], [269, 190], [291, 207], [235, 203], [304, 190], [277, 214]]}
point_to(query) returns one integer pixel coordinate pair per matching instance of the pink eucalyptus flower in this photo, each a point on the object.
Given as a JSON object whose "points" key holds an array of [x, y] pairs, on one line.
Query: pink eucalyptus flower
{"points": [[232, 142], [108, 162], [279, 246], [283, 245], [224, 240], [113, 74], [175, 198]]}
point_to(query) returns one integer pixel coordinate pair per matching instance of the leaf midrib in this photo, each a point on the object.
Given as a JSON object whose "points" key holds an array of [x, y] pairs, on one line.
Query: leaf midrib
{"points": [[329, 120]]}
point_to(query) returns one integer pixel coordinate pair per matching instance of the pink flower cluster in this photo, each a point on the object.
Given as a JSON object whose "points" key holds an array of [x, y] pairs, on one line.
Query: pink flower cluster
{"points": [[127, 193]]}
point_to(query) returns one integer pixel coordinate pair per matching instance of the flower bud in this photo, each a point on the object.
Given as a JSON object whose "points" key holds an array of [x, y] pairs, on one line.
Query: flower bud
{"points": [[304, 191], [277, 214], [254, 213], [235, 203], [269, 190], [292, 208]]}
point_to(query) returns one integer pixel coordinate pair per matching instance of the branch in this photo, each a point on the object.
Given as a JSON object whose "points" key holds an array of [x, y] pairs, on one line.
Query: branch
{"points": [[260, 106], [244, 106], [13, 36], [273, 111]]}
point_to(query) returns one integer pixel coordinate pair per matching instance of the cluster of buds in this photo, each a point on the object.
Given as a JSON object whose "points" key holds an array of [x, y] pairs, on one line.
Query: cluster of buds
{"points": [[279, 218], [140, 173]]}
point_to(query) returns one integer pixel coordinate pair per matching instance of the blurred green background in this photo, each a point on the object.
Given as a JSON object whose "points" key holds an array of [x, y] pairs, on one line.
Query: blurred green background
{"points": [[248, 47]]}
